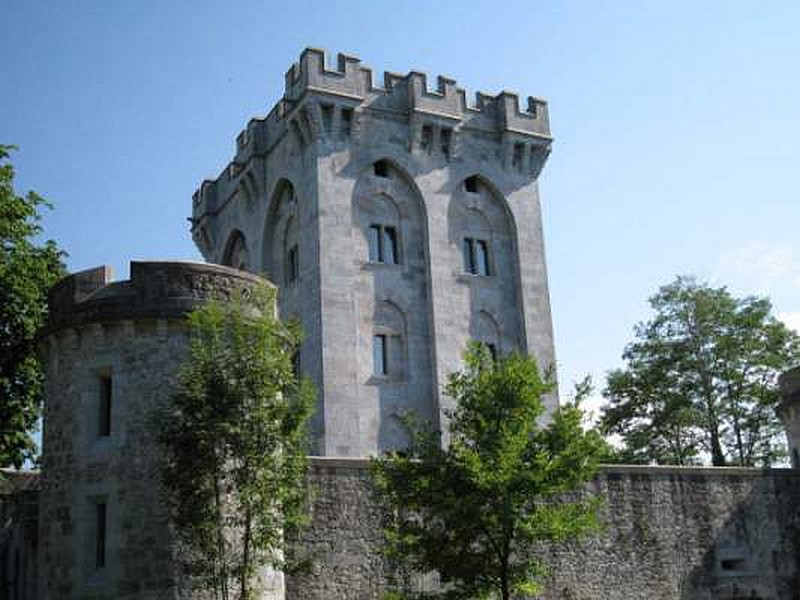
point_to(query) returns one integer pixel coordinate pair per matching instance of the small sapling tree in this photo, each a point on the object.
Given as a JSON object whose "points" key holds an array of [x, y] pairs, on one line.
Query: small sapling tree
{"points": [[477, 510], [235, 438]]}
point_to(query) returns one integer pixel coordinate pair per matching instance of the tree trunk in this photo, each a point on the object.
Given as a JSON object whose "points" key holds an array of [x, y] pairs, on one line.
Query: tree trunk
{"points": [[223, 571], [717, 455], [245, 580]]}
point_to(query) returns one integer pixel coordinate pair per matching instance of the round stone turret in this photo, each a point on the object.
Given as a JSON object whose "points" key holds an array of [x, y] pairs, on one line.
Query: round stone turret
{"points": [[110, 351], [789, 412]]}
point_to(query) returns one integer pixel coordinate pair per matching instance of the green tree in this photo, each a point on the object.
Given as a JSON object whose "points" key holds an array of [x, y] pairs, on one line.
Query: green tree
{"points": [[477, 511], [27, 270], [236, 440], [701, 377]]}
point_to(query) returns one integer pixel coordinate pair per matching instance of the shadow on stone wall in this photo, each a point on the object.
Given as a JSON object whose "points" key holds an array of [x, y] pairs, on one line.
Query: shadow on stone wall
{"points": [[686, 534], [754, 548]]}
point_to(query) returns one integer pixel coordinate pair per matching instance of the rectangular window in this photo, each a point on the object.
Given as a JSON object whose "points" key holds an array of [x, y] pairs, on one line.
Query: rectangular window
{"points": [[327, 117], [379, 355], [292, 265], [481, 258], [100, 535], [427, 138], [104, 407], [347, 121], [382, 240], [476, 256], [519, 153], [447, 136], [492, 350], [389, 246], [374, 243], [468, 254]]}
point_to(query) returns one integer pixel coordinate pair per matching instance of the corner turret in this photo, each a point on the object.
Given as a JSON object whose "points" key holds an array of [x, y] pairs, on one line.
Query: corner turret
{"points": [[789, 411]]}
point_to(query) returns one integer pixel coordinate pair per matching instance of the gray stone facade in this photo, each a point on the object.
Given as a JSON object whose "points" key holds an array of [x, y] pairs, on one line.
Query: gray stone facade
{"points": [[343, 157], [19, 537], [110, 352], [789, 412], [670, 534], [359, 201]]}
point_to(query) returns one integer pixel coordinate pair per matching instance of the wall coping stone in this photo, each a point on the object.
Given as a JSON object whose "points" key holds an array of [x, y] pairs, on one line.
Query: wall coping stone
{"points": [[339, 462]]}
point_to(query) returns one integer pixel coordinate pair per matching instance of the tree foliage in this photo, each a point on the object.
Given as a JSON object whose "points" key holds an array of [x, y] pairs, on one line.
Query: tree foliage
{"points": [[477, 511], [27, 271], [701, 378], [236, 442]]}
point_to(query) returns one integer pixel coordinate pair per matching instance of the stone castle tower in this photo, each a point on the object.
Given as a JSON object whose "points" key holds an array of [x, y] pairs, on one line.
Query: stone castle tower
{"points": [[398, 223]]}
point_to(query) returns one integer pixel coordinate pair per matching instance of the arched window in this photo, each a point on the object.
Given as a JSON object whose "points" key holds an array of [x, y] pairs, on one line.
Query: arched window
{"points": [[282, 254], [236, 254], [484, 329]]}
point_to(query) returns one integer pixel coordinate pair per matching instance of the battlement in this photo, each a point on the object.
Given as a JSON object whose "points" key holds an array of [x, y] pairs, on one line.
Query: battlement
{"points": [[156, 289], [327, 103], [350, 79]]}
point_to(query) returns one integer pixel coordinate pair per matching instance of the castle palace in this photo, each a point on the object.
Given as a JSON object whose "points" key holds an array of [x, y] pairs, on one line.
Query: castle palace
{"points": [[398, 220]]}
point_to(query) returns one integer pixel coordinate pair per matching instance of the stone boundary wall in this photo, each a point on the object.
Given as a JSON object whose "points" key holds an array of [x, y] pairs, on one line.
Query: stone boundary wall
{"points": [[670, 534]]}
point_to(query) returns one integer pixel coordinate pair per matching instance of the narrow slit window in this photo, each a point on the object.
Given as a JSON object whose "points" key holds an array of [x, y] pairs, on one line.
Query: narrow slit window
{"points": [[380, 358], [100, 534], [292, 265], [469, 255], [347, 121], [732, 564], [374, 243], [327, 117], [519, 152], [104, 407], [481, 258], [492, 351], [427, 138], [447, 137], [389, 245]]}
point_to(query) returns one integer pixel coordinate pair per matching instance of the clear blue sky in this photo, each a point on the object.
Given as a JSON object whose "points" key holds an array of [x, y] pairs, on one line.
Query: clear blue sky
{"points": [[676, 124]]}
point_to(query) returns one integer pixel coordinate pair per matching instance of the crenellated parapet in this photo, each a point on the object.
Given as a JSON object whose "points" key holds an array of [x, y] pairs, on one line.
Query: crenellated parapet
{"points": [[327, 105], [349, 79], [156, 290]]}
